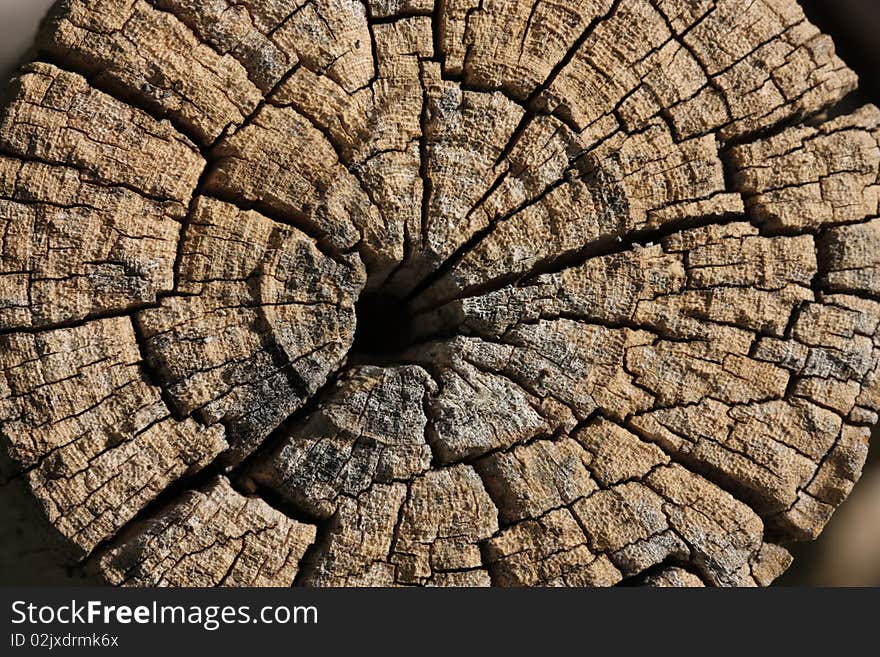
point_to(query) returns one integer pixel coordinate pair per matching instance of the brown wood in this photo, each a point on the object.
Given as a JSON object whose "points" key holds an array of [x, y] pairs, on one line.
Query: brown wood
{"points": [[618, 262]]}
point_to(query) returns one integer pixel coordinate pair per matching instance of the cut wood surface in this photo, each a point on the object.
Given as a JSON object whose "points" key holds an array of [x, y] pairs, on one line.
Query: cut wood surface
{"points": [[461, 293]]}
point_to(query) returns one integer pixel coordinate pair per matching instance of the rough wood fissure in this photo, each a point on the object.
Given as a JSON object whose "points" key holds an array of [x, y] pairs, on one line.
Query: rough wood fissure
{"points": [[637, 243]]}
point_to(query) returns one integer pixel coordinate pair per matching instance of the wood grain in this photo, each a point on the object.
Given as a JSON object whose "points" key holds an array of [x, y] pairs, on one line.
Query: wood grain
{"points": [[634, 245]]}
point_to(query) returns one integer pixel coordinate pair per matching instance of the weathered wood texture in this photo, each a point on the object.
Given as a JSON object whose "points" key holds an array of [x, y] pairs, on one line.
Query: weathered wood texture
{"points": [[638, 242]]}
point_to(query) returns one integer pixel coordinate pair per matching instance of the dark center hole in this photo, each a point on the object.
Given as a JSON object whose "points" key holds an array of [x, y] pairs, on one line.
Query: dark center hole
{"points": [[384, 325]]}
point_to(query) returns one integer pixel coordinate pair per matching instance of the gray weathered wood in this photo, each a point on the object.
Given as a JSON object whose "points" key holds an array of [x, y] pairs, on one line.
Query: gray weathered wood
{"points": [[637, 243]]}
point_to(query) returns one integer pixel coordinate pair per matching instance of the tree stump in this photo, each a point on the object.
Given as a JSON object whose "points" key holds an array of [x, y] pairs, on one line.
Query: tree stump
{"points": [[466, 292]]}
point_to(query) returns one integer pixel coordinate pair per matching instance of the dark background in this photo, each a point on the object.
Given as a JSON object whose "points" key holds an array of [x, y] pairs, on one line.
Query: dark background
{"points": [[847, 553]]}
